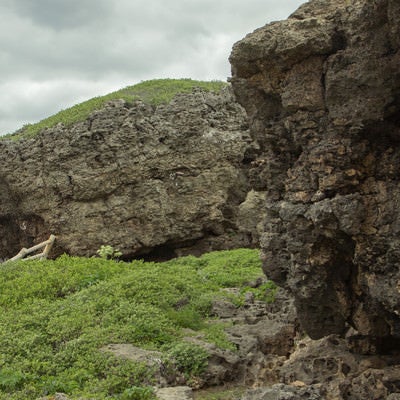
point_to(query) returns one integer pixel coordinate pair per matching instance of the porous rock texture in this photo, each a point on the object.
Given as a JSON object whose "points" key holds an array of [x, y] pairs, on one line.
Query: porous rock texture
{"points": [[158, 180], [322, 91]]}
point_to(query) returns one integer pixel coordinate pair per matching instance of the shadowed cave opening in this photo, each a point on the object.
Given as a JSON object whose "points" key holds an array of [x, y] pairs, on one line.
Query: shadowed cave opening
{"points": [[18, 231], [163, 252], [10, 237], [159, 253]]}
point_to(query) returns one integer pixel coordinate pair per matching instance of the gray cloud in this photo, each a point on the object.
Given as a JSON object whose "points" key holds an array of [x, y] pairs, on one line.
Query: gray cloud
{"points": [[55, 53], [60, 14]]}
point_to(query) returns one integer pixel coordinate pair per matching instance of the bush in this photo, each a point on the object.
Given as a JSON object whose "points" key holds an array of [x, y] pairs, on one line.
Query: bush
{"points": [[265, 292], [138, 393], [10, 380], [108, 252], [190, 359]]}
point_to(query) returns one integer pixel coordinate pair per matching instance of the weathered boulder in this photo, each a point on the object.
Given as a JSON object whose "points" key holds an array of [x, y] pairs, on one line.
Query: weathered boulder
{"points": [[322, 91], [164, 180]]}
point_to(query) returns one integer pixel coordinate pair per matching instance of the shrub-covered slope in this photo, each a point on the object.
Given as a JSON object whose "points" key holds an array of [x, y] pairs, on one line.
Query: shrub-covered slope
{"points": [[56, 316]]}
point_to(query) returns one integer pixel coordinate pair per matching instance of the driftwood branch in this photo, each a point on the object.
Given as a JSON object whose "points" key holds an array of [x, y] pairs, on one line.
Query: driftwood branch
{"points": [[47, 244]]}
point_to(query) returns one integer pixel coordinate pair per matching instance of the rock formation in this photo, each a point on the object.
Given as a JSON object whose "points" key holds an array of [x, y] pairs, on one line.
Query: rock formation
{"points": [[322, 91], [160, 181]]}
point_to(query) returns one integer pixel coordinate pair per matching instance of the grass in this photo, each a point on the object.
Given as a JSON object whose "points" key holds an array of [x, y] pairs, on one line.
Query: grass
{"points": [[154, 92], [57, 315]]}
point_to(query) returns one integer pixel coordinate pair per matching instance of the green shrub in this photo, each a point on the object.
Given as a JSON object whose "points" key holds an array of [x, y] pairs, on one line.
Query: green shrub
{"points": [[138, 393], [119, 375], [265, 292], [215, 333], [186, 317], [190, 359], [108, 252], [230, 268], [10, 380]]}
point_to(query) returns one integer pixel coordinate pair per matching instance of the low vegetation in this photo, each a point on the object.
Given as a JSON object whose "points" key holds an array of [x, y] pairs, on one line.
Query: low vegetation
{"points": [[57, 315], [153, 92]]}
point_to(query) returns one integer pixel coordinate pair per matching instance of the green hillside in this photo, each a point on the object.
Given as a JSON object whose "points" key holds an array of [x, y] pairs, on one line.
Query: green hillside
{"points": [[154, 92], [57, 315]]}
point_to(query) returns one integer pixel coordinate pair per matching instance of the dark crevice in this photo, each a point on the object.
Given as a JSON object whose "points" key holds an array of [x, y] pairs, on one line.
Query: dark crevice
{"points": [[9, 237], [18, 231], [371, 345], [339, 41], [325, 314], [159, 253], [163, 252], [323, 86], [383, 134]]}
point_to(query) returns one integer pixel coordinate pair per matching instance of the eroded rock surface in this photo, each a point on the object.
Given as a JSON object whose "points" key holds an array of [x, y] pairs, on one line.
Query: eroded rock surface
{"points": [[322, 90], [162, 181], [264, 335]]}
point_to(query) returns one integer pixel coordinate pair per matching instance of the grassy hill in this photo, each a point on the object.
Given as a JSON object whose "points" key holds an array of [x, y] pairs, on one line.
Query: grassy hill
{"points": [[154, 92], [57, 315]]}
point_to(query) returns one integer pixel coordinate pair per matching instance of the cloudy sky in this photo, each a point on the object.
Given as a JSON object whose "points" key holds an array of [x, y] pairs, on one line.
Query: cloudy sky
{"points": [[56, 53]]}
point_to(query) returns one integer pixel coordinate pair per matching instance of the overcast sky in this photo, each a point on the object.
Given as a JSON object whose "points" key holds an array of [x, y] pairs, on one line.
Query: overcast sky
{"points": [[56, 53]]}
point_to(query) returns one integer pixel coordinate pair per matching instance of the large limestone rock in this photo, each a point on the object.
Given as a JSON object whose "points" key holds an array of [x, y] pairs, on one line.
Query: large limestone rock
{"points": [[322, 91], [161, 181]]}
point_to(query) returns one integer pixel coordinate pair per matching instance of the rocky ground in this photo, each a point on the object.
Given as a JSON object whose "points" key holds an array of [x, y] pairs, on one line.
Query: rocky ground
{"points": [[275, 360]]}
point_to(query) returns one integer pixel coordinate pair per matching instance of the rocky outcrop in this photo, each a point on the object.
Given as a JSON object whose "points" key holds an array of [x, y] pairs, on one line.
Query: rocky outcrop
{"points": [[264, 337], [154, 182], [261, 335], [322, 91], [273, 358]]}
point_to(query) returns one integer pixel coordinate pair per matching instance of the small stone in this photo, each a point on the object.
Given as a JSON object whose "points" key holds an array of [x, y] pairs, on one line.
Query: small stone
{"points": [[175, 393], [298, 384]]}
